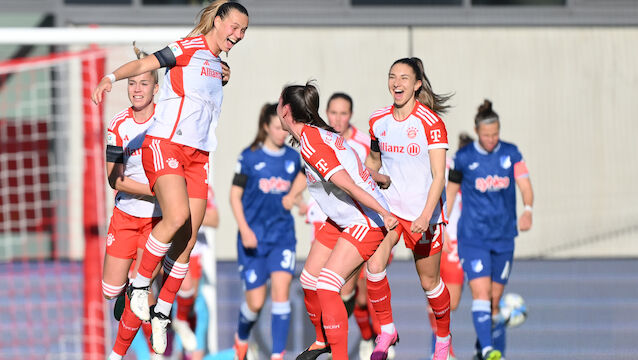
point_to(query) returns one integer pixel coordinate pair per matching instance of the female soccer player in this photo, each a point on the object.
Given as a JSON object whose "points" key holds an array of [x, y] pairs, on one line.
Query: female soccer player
{"points": [[485, 173], [451, 270], [357, 215], [175, 151], [409, 142], [136, 210], [267, 182]]}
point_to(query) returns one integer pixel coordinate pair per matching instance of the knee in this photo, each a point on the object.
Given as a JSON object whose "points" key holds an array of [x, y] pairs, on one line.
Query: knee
{"points": [[111, 292], [177, 219], [375, 266], [429, 282], [254, 305]]}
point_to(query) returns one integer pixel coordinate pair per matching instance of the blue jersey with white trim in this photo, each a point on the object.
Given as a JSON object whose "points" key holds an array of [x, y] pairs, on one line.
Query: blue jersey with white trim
{"points": [[489, 195], [269, 177]]}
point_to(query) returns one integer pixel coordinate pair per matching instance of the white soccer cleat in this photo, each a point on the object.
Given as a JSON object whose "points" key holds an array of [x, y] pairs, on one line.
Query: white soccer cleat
{"points": [[138, 298], [365, 348], [159, 325], [391, 352], [186, 334]]}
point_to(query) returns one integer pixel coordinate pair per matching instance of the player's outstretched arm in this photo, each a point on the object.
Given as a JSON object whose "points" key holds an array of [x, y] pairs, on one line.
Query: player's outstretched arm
{"points": [[131, 68]]}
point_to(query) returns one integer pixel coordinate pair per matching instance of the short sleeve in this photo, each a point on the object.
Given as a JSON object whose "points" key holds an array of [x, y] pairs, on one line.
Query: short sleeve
{"points": [[437, 136], [318, 154], [520, 168]]}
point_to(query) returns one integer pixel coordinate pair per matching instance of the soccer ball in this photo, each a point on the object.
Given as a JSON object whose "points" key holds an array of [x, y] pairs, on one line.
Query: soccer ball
{"points": [[513, 309]]}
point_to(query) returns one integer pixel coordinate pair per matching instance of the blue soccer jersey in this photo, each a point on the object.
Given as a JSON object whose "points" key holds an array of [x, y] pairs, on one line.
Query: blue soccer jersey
{"points": [[268, 177], [489, 197]]}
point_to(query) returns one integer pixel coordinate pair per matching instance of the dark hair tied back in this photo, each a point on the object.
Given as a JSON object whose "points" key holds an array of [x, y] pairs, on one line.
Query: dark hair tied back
{"points": [[425, 94], [304, 105], [485, 114]]}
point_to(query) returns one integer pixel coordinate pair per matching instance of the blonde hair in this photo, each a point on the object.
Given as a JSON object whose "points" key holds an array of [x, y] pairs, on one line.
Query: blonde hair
{"points": [[208, 14], [142, 54]]}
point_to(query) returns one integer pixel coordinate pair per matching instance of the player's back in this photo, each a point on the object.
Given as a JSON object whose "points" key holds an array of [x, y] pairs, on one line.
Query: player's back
{"points": [[325, 153]]}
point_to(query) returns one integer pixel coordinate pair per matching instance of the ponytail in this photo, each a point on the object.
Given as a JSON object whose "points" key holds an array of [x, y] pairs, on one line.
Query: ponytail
{"points": [[486, 115], [304, 106], [268, 111], [425, 95], [142, 54], [208, 14]]}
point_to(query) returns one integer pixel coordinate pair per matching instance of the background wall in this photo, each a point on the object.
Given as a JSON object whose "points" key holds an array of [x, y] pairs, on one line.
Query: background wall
{"points": [[564, 96]]}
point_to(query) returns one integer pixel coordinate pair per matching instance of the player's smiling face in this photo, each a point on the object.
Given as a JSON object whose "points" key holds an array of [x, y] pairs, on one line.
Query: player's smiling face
{"points": [[230, 30], [402, 84], [141, 89], [488, 135]]}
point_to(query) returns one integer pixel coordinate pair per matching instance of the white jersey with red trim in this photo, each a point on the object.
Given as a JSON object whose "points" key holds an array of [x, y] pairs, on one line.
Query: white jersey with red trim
{"points": [[404, 146], [125, 132], [191, 97], [325, 153], [359, 142]]}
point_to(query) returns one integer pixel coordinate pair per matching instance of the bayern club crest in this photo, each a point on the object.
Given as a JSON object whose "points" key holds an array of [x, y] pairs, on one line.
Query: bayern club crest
{"points": [[412, 132], [172, 163]]}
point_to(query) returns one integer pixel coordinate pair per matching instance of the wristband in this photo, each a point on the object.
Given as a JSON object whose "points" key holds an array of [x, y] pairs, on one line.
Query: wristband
{"points": [[528, 208], [111, 77]]}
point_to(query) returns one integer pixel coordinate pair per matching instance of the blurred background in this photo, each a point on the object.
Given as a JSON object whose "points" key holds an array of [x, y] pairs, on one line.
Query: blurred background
{"points": [[561, 74]]}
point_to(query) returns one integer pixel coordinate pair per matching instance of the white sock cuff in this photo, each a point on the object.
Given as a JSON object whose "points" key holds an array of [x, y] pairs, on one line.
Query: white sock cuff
{"points": [[308, 281], [482, 305], [346, 297], [163, 307], [375, 277], [112, 291], [186, 293], [437, 291], [175, 269], [330, 280], [280, 308], [247, 313], [156, 247]]}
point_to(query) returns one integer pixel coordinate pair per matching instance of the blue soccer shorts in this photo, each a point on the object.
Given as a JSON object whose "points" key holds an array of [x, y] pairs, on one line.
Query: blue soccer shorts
{"points": [[482, 261], [256, 265]]}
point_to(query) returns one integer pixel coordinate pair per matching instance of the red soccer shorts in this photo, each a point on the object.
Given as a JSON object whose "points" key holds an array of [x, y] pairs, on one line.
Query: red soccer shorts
{"points": [[127, 233], [162, 157], [364, 238], [426, 244], [451, 269]]}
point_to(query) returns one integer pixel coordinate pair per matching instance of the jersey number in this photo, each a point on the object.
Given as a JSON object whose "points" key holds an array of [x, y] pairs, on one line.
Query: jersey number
{"points": [[289, 260], [206, 169]]}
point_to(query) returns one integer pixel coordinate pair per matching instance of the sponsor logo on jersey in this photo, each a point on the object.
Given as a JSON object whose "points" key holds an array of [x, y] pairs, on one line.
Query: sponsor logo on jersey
{"points": [[491, 183], [339, 143], [290, 166], [435, 135], [210, 73], [473, 166], [414, 149], [477, 265], [322, 165], [412, 132], [274, 185], [172, 163], [109, 239], [506, 162], [206, 63], [125, 138], [132, 152], [385, 147], [383, 133], [260, 165]]}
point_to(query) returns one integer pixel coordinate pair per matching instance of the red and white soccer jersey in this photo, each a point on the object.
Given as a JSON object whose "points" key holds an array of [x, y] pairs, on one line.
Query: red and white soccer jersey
{"points": [[325, 153], [190, 100], [404, 146], [128, 134], [359, 142]]}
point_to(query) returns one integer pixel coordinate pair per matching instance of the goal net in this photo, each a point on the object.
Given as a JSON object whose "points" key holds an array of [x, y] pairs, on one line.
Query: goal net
{"points": [[52, 207]]}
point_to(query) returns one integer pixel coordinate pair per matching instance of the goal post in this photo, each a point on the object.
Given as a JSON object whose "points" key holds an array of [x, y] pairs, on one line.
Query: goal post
{"points": [[52, 205]]}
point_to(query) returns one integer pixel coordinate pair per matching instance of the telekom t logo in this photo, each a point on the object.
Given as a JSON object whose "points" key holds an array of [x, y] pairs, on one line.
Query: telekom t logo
{"points": [[322, 165], [435, 134]]}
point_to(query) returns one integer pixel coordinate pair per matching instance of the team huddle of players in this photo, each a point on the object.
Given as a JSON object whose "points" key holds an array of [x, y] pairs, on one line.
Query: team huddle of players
{"points": [[367, 192]]}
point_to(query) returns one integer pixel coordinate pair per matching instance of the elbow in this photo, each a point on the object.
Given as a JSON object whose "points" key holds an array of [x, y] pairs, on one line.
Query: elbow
{"points": [[112, 183]]}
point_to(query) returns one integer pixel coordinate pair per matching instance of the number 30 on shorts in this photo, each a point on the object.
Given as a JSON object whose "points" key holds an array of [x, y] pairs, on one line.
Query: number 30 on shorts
{"points": [[288, 261]]}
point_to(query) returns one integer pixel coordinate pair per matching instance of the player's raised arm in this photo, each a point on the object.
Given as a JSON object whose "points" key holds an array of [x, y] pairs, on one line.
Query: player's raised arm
{"points": [[131, 68]]}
